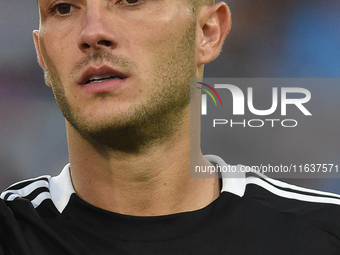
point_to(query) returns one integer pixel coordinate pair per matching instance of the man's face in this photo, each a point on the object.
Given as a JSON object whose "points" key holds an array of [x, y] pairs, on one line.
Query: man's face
{"points": [[119, 67]]}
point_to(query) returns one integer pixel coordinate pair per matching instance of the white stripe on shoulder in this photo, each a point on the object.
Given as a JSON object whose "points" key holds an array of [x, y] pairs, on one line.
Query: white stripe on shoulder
{"points": [[12, 197], [59, 189], [29, 181], [297, 188], [24, 191], [316, 196], [236, 183], [40, 198]]}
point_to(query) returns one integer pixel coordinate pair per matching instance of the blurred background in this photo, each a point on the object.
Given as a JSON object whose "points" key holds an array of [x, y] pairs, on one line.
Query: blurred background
{"points": [[269, 38]]}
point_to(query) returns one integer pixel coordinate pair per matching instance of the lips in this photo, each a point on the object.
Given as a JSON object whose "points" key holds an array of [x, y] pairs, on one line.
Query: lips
{"points": [[98, 75], [103, 78]]}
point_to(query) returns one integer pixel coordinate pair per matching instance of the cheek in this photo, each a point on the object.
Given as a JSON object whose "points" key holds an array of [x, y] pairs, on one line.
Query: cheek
{"points": [[165, 36], [157, 31], [159, 45], [56, 52]]}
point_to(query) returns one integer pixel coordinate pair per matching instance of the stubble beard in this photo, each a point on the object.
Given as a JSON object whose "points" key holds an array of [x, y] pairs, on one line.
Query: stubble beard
{"points": [[151, 121]]}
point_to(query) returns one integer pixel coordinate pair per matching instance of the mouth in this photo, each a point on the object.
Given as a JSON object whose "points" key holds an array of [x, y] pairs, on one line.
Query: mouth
{"points": [[98, 75], [103, 78]]}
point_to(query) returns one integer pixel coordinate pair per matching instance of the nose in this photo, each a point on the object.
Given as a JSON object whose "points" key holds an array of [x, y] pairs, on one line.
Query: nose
{"points": [[97, 33]]}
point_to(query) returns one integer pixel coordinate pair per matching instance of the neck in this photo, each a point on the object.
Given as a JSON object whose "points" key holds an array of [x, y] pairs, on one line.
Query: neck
{"points": [[154, 181]]}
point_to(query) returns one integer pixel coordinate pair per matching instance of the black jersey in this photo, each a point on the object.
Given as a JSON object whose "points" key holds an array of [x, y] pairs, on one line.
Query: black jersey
{"points": [[252, 215]]}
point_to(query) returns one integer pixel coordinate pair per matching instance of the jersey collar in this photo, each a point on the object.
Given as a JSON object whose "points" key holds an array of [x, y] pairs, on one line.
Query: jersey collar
{"points": [[61, 187]]}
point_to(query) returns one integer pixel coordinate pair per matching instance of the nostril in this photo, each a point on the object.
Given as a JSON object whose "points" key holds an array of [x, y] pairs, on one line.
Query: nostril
{"points": [[105, 43], [86, 46], [87, 43]]}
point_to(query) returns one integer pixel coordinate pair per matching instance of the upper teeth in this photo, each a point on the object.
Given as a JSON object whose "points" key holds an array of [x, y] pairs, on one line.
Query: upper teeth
{"points": [[102, 78]]}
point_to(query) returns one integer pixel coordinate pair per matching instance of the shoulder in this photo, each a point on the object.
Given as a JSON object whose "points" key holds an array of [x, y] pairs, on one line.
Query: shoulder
{"points": [[269, 191], [18, 205], [316, 208], [26, 207], [260, 187], [36, 190], [52, 191], [263, 197]]}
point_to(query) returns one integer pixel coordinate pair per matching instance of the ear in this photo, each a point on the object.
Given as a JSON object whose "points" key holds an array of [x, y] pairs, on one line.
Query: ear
{"points": [[37, 48], [214, 24], [39, 56]]}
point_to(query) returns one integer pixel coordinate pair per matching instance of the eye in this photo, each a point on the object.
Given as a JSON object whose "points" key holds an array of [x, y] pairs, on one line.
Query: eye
{"points": [[129, 2], [62, 9], [132, 1]]}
